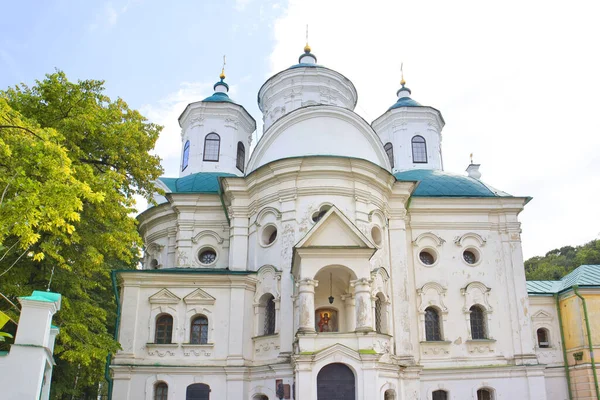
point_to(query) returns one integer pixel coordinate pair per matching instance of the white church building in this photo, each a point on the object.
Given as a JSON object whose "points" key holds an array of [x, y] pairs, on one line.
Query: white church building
{"points": [[338, 260]]}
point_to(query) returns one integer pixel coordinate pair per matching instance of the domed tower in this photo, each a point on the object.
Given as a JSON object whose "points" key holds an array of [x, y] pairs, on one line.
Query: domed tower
{"points": [[308, 110], [411, 133], [301, 85], [216, 134]]}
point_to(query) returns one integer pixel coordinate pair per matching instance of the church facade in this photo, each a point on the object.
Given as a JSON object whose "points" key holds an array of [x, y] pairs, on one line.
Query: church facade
{"points": [[337, 261]]}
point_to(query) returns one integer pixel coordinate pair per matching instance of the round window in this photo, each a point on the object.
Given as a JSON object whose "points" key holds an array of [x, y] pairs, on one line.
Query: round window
{"points": [[470, 256], [427, 257], [269, 235], [376, 235], [207, 256]]}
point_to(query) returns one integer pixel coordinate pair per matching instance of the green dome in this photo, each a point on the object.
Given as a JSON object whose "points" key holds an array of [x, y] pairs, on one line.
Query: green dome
{"points": [[219, 97], [435, 183]]}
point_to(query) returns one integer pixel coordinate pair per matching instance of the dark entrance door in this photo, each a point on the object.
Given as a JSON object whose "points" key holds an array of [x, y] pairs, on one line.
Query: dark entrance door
{"points": [[197, 391], [335, 382]]}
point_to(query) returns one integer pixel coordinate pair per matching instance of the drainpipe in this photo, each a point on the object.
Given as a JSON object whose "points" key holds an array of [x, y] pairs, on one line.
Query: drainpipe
{"points": [[589, 335], [562, 338]]}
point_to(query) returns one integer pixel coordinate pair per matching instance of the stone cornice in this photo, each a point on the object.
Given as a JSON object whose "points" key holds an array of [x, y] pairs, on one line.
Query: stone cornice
{"points": [[218, 110], [183, 279], [410, 114]]}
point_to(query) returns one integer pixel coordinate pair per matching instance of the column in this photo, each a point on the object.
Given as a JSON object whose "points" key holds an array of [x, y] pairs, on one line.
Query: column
{"points": [[364, 311], [350, 316], [306, 304]]}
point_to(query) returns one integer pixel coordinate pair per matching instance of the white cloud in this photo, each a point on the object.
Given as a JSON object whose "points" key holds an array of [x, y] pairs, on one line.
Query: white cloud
{"points": [[240, 5], [516, 82]]}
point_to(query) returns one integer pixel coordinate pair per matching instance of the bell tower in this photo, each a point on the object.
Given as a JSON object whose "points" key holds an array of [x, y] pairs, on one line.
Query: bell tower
{"points": [[216, 134]]}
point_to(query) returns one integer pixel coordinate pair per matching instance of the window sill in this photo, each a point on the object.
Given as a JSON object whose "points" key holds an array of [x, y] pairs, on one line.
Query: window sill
{"points": [[437, 342], [199, 345], [481, 340], [481, 346], [266, 336], [165, 345]]}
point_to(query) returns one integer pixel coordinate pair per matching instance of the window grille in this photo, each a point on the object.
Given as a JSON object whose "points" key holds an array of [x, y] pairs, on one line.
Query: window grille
{"points": [[199, 332], [419, 149], [161, 391], [478, 328], [432, 325], [241, 156], [186, 155], [212, 145], [484, 394], [164, 329], [439, 395], [378, 316], [269, 327], [389, 149]]}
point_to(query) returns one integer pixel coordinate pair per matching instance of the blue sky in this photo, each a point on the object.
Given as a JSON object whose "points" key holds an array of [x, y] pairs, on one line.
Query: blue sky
{"points": [[517, 82]]}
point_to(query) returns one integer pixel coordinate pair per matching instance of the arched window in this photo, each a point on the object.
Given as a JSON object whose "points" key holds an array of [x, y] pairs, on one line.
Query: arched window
{"points": [[212, 146], [161, 391], [197, 391], [199, 331], [241, 157], [389, 394], [164, 329], [432, 325], [378, 315], [542, 337], [269, 318], [419, 149], [439, 395], [186, 155], [478, 326], [389, 149], [484, 394]]}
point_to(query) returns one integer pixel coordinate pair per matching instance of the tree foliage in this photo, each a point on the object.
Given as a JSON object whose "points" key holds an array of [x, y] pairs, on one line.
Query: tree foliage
{"points": [[559, 262], [71, 161]]}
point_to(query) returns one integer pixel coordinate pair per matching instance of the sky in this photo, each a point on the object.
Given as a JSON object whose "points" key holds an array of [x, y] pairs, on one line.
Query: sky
{"points": [[517, 82]]}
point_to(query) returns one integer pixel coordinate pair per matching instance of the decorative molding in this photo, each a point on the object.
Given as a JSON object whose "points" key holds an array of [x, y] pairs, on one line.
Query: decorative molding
{"points": [[264, 212], [161, 350], [210, 233], [436, 299], [476, 293], [459, 240], [542, 316], [197, 350], [164, 296], [438, 241], [199, 296]]}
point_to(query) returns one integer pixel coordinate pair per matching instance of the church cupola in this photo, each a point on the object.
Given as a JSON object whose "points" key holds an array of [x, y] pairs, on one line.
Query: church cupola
{"points": [[411, 133], [302, 85], [307, 57], [216, 134]]}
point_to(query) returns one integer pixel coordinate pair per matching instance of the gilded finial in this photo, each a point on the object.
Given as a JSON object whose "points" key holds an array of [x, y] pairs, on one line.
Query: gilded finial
{"points": [[222, 76], [307, 47], [471, 155], [402, 82]]}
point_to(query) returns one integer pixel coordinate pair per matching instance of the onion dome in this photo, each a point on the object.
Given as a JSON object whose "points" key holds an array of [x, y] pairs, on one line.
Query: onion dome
{"points": [[404, 99], [221, 89], [307, 57]]}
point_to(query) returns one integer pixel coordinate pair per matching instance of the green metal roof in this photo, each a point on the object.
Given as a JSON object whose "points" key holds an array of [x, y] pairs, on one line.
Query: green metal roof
{"points": [[405, 102], [48, 297], [436, 183], [219, 97], [584, 275], [201, 182]]}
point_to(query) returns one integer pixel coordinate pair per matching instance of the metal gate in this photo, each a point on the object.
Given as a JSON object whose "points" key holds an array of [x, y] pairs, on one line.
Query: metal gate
{"points": [[336, 382]]}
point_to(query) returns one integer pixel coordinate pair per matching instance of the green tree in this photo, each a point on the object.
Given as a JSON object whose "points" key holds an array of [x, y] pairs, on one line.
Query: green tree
{"points": [[559, 262], [71, 162]]}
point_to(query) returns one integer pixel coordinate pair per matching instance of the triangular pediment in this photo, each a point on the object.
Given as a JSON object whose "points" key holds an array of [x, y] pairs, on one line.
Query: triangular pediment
{"points": [[164, 296], [542, 315], [199, 296], [335, 230]]}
